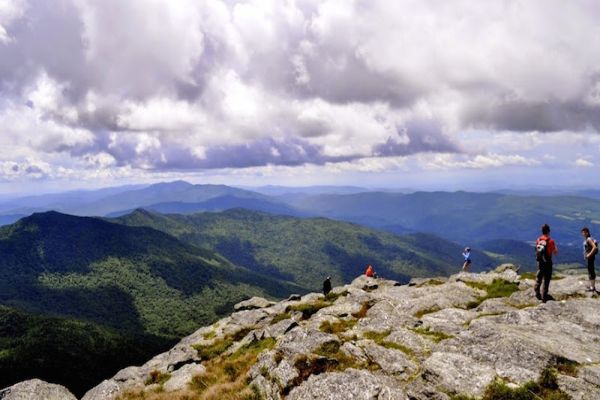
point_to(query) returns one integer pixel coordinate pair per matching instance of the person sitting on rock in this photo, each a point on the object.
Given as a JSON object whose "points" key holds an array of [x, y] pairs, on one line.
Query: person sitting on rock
{"points": [[590, 249], [327, 285], [545, 249], [370, 272]]}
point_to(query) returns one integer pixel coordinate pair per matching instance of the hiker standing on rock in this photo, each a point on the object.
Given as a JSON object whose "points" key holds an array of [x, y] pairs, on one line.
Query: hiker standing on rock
{"points": [[590, 249], [545, 248], [327, 285], [467, 255]]}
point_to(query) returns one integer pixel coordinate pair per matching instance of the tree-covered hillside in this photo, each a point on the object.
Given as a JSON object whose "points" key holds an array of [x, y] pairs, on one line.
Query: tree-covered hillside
{"points": [[132, 278], [306, 250], [115, 282], [74, 353]]}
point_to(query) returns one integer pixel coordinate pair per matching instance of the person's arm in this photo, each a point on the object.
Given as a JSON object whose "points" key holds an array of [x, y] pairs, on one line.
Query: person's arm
{"points": [[555, 250]]}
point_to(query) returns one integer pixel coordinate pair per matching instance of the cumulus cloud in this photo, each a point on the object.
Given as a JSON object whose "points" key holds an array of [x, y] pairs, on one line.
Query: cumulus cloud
{"points": [[190, 85], [582, 162]]}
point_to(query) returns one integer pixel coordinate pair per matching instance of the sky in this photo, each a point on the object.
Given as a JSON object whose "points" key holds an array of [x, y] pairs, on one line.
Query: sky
{"points": [[422, 94]]}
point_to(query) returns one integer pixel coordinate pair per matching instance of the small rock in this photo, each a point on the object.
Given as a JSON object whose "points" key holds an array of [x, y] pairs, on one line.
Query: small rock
{"points": [[294, 297], [506, 267], [458, 373], [578, 389], [107, 390], [253, 303], [393, 362], [181, 377]]}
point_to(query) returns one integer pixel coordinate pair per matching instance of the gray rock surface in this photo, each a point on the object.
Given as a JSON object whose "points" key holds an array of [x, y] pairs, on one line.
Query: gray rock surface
{"points": [[35, 389], [253, 303], [417, 341], [350, 384], [180, 378]]}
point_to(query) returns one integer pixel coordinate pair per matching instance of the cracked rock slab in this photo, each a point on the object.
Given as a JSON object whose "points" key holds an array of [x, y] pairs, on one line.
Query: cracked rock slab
{"points": [[458, 373], [348, 385]]}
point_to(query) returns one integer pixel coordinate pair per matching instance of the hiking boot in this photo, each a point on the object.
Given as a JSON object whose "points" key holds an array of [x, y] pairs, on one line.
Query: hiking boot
{"points": [[590, 289], [538, 295], [547, 298]]}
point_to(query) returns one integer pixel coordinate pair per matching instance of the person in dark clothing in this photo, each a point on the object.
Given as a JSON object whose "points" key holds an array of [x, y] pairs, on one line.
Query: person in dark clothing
{"points": [[590, 249], [545, 249], [327, 286]]}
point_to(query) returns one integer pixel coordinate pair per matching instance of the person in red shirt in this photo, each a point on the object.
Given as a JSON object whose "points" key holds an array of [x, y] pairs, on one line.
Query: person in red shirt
{"points": [[544, 259], [369, 272]]}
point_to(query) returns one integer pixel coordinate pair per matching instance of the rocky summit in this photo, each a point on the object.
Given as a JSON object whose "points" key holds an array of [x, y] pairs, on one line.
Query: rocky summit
{"points": [[469, 336]]}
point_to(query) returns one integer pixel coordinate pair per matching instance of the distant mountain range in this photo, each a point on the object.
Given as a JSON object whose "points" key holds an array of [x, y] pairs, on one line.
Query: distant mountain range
{"points": [[462, 217]]}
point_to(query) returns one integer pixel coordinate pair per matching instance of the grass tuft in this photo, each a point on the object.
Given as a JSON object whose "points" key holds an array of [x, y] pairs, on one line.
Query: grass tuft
{"points": [[331, 296], [566, 366], [280, 317], [209, 335], [337, 327], [528, 275], [157, 377], [363, 310], [545, 388], [498, 288], [379, 338], [308, 309], [420, 313], [431, 282], [433, 335]]}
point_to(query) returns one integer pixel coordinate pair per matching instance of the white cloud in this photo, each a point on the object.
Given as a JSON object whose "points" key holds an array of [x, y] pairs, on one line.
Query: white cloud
{"points": [[581, 162], [10, 10], [450, 161], [162, 86]]}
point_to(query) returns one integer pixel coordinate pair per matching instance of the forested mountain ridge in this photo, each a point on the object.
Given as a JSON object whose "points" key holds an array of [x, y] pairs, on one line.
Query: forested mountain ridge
{"points": [[120, 283], [305, 250]]}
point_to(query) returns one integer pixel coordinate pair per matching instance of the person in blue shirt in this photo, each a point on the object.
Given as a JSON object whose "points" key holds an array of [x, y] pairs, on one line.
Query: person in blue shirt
{"points": [[467, 255]]}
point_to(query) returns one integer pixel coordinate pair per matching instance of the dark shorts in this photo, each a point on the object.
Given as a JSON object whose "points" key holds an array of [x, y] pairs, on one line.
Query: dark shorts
{"points": [[468, 261], [591, 264]]}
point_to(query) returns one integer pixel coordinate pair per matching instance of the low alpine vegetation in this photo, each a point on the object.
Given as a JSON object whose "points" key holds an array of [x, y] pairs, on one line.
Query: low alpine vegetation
{"points": [[379, 338], [308, 309], [340, 326], [433, 335], [498, 288], [157, 377]]}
